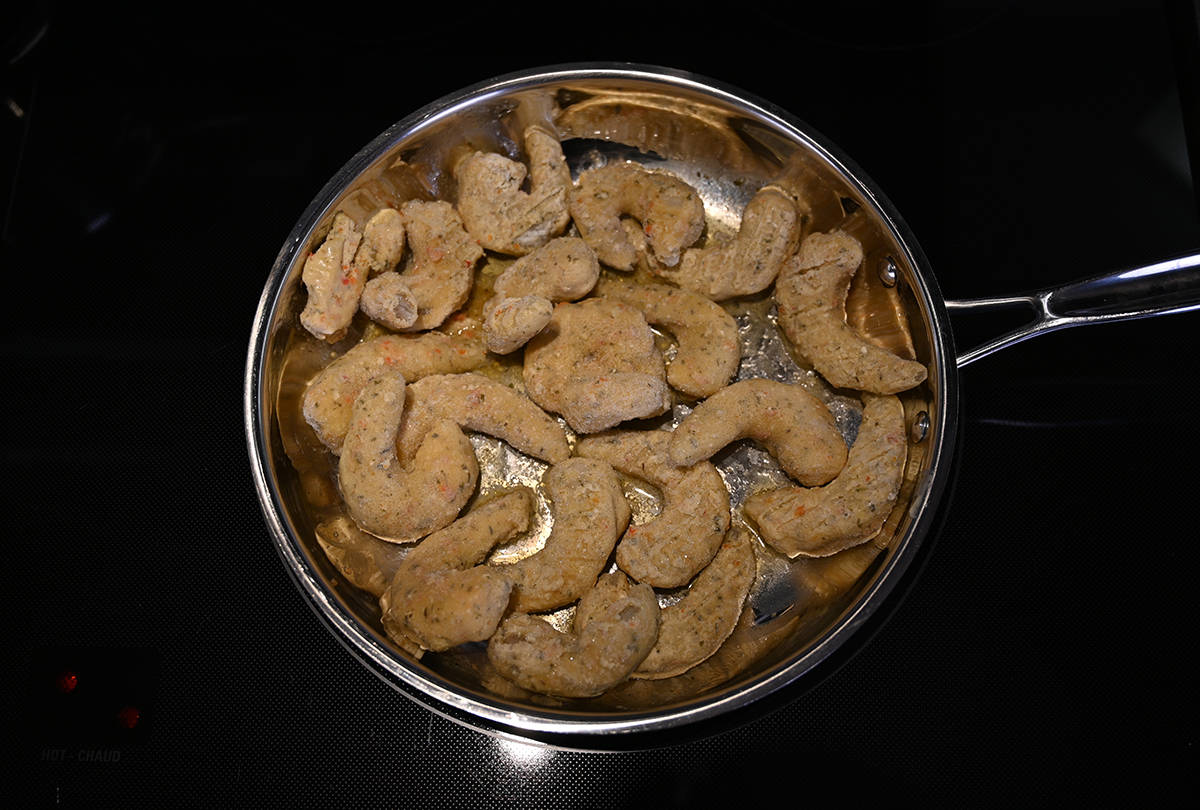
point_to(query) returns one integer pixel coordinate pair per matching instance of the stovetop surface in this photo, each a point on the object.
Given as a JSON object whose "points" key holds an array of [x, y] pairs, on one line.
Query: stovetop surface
{"points": [[153, 170]]}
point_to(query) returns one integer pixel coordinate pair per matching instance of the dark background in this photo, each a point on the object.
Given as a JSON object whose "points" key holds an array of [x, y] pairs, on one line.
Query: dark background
{"points": [[155, 160]]}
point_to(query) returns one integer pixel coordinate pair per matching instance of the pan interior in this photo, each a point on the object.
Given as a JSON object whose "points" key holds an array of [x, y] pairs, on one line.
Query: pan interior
{"points": [[727, 148]]}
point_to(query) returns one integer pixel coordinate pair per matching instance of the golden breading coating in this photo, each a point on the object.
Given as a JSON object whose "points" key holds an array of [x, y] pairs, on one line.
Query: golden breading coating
{"points": [[388, 300], [336, 274], [510, 323], [615, 627], [670, 210], [564, 269], [589, 513], [768, 235], [596, 364], [330, 395], [402, 502], [501, 216], [811, 294], [709, 349], [794, 426], [669, 550], [441, 268], [854, 506], [478, 403], [382, 243], [694, 628], [333, 281], [441, 596]]}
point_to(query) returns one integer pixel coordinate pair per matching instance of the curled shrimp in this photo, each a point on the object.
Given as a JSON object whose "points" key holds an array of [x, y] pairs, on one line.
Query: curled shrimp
{"points": [[440, 594], [478, 403], [614, 629], [396, 501], [768, 236], [795, 427], [670, 211], [564, 269], [708, 348], [853, 507], [589, 513], [596, 365], [501, 216], [331, 393], [333, 281], [440, 271], [671, 548], [811, 293], [693, 628]]}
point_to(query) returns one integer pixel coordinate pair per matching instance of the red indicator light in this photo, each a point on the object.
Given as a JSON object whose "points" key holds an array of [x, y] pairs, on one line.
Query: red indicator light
{"points": [[128, 716], [67, 682]]}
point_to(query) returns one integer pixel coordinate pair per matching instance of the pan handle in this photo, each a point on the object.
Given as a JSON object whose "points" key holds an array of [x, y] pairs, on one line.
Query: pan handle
{"points": [[1158, 289]]}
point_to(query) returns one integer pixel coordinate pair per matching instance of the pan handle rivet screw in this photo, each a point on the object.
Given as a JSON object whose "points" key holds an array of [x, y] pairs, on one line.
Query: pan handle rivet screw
{"points": [[888, 272], [920, 427]]}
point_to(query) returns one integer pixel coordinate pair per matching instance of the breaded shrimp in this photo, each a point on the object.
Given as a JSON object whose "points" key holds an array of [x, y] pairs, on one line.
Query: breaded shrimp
{"points": [[510, 323], [670, 210], [694, 628], [402, 502], [709, 349], [478, 403], [336, 274], [853, 507], [388, 300], [502, 217], [440, 595], [332, 391], [811, 294], [382, 243], [441, 269], [596, 364], [670, 549], [769, 234], [333, 281], [589, 513], [794, 426], [564, 269], [615, 627]]}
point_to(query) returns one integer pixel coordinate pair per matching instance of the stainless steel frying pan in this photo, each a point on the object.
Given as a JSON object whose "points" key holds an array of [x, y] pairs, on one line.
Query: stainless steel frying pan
{"points": [[727, 144]]}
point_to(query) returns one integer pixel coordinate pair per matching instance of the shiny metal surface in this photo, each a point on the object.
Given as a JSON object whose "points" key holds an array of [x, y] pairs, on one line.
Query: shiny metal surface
{"points": [[727, 144], [920, 428], [888, 273], [1163, 288]]}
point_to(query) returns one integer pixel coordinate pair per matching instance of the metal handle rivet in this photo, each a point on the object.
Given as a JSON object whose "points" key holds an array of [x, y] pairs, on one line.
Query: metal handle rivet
{"points": [[920, 427], [888, 272]]}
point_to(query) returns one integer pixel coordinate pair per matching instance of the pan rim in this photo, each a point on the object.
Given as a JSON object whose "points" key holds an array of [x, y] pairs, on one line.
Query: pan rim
{"points": [[439, 695]]}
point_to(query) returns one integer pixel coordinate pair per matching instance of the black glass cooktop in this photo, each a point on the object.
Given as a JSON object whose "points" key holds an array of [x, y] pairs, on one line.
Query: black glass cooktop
{"points": [[159, 653]]}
